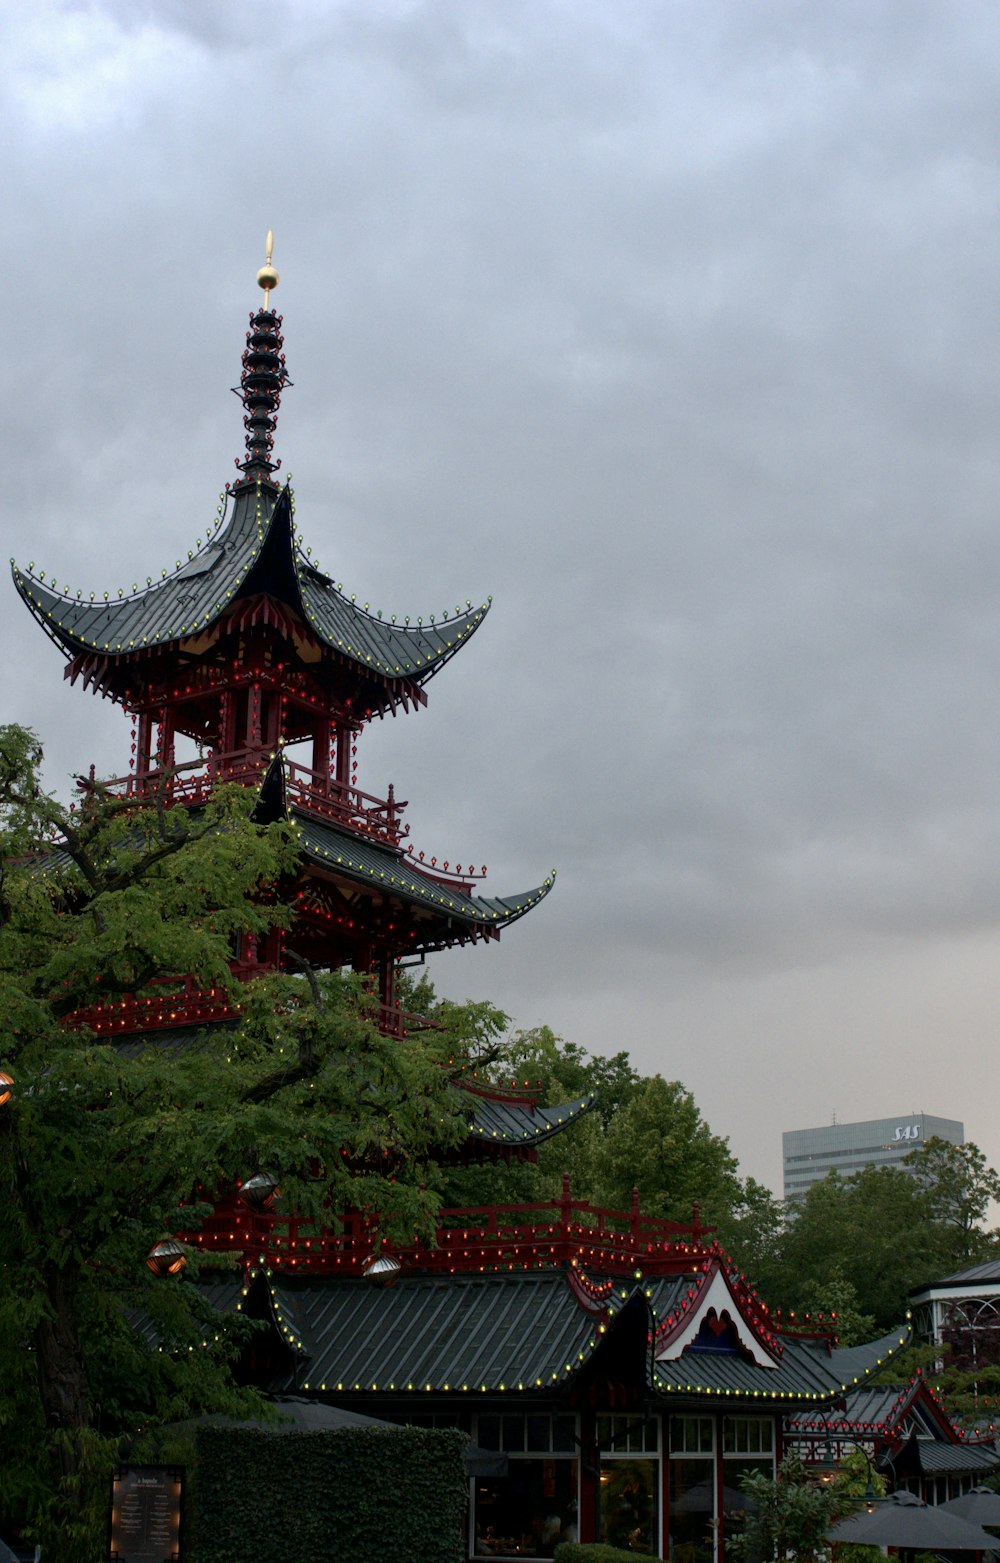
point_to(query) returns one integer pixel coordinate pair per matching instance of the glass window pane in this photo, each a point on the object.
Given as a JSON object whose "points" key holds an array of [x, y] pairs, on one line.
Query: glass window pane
{"points": [[563, 1431], [629, 1516], [488, 1432], [527, 1512], [538, 1434], [692, 1510], [513, 1432]]}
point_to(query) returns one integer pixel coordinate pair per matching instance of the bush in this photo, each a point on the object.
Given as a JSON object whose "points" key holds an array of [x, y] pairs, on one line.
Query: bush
{"points": [[359, 1493], [591, 1552]]}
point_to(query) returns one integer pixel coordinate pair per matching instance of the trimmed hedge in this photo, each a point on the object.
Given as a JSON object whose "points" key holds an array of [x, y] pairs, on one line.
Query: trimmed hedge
{"points": [[592, 1552], [353, 1493]]}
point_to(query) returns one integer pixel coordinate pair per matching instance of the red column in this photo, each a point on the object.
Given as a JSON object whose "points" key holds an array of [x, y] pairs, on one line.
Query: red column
{"points": [[387, 981], [165, 745], [590, 1486], [254, 737], [321, 751], [343, 754], [665, 1486], [144, 744]]}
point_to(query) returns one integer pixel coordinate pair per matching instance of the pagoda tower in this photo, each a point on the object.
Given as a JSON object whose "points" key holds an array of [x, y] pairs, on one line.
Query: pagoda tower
{"points": [[248, 648]]}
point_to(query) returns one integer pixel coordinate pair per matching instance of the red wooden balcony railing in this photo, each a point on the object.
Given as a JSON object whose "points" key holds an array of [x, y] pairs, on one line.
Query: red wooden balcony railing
{"points": [[566, 1231], [192, 783]]}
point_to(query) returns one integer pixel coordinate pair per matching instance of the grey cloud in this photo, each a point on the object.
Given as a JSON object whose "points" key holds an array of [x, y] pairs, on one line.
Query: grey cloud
{"points": [[670, 327]]}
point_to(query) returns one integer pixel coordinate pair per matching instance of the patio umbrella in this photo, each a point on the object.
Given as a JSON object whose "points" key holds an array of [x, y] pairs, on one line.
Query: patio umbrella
{"points": [[700, 1499], [904, 1521], [981, 1506]]}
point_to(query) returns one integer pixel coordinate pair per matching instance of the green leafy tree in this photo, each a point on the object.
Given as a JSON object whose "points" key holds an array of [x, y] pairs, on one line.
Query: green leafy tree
{"points": [[751, 1233], [659, 1142], [643, 1132], [960, 1186], [873, 1230], [888, 1230], [856, 1481], [105, 1150], [790, 1516], [834, 1302]]}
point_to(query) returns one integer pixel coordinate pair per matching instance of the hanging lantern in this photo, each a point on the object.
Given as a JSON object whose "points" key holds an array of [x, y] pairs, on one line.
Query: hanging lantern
{"points": [[382, 1270], [6, 1089], [260, 1191], [166, 1258]]}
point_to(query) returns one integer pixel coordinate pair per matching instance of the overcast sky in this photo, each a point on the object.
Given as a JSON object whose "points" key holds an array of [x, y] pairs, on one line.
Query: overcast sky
{"points": [[673, 325]]}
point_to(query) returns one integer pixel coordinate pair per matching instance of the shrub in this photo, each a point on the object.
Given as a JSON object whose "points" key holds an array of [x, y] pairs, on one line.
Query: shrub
{"points": [[366, 1494], [591, 1552]]}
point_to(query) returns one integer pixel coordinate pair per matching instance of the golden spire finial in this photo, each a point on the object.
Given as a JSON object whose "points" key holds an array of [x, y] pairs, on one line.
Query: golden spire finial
{"points": [[267, 277]]}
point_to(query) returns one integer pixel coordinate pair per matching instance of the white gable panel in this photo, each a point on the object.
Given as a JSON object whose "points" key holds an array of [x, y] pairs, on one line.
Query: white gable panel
{"points": [[719, 1296]]}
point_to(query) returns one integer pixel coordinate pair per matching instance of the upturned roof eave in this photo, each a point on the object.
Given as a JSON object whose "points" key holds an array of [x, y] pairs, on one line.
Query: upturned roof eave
{"points": [[118, 628], [392, 872]]}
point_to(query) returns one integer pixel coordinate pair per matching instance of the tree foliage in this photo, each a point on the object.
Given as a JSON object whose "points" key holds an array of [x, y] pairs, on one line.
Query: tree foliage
{"points": [[790, 1515], [958, 1186], [105, 1149]]}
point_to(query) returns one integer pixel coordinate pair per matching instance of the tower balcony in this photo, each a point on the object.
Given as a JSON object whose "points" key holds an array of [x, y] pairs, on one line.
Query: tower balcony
{"points": [[192, 783]]}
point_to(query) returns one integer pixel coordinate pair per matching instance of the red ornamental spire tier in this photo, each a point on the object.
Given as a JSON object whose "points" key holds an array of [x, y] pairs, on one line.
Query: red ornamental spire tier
{"points": [[263, 379]]}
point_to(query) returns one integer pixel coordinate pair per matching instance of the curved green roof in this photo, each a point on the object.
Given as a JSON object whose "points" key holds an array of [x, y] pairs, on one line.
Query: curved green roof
{"points": [[371, 863], [527, 1332], [255, 551]]}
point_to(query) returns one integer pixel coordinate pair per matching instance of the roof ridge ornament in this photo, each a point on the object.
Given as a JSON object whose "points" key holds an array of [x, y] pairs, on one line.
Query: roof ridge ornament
{"points": [[264, 377]]}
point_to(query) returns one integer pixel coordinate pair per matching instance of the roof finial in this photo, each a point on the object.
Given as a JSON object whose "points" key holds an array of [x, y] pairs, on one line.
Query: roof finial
{"points": [[263, 379], [267, 277]]}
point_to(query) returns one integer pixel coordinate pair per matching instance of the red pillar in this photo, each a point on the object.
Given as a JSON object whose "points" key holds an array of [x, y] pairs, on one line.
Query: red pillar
{"points": [[144, 744], [165, 745], [343, 754], [321, 752], [665, 1485], [590, 1486]]}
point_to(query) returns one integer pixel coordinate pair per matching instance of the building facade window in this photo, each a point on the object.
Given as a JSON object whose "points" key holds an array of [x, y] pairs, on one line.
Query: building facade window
{"points": [[629, 1514], [691, 1491], [747, 1448], [527, 1512]]}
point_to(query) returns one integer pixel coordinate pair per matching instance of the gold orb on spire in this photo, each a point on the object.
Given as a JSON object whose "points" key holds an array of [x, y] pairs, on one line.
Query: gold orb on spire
{"points": [[267, 277]]}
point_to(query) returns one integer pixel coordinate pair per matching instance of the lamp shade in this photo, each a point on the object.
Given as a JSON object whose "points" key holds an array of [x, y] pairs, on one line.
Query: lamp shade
{"points": [[382, 1269], [260, 1191], [166, 1258]]}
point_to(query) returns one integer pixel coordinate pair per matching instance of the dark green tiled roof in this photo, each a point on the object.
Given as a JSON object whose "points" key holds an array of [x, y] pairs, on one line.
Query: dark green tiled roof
{"points": [[517, 1123], [806, 1370], [977, 1275], [255, 551], [368, 862], [938, 1458], [453, 1332], [529, 1332], [870, 1407]]}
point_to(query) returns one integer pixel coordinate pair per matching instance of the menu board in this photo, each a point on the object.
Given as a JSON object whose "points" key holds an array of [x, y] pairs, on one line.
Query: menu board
{"points": [[146, 1514]]}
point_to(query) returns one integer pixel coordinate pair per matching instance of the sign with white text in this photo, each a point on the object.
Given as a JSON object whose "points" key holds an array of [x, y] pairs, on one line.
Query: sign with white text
{"points": [[146, 1514]]}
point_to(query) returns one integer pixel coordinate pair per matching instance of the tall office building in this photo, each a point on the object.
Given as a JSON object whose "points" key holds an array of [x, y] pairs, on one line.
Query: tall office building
{"points": [[809, 1154]]}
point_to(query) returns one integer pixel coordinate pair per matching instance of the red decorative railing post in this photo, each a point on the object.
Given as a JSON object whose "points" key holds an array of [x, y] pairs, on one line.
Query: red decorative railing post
{"points": [[565, 1217]]}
